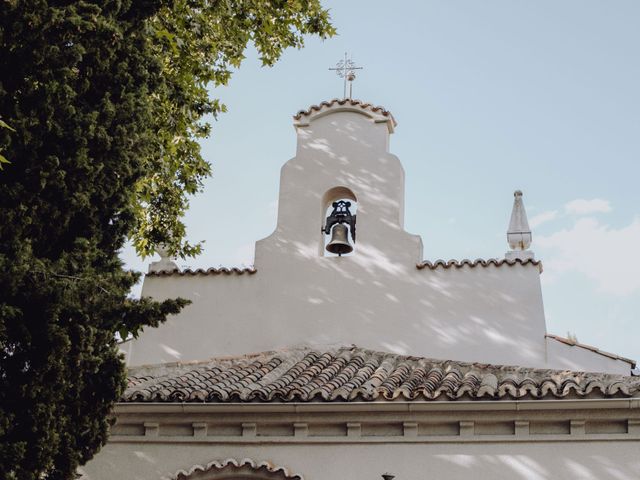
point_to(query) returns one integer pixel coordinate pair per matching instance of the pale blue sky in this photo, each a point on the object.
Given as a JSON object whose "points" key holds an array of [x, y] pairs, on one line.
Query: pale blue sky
{"points": [[490, 96]]}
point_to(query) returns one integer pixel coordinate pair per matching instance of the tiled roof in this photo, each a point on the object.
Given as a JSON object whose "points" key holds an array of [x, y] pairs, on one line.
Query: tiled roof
{"points": [[345, 101], [202, 271], [573, 343], [477, 263], [356, 374]]}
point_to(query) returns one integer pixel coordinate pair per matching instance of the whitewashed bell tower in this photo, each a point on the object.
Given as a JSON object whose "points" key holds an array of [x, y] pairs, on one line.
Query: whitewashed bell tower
{"points": [[383, 296], [342, 153]]}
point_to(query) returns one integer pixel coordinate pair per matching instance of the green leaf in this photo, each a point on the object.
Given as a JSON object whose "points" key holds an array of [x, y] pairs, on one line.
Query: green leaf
{"points": [[4, 124]]}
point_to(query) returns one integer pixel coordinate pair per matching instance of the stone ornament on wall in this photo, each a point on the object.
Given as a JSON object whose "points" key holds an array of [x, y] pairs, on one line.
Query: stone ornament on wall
{"points": [[232, 468]]}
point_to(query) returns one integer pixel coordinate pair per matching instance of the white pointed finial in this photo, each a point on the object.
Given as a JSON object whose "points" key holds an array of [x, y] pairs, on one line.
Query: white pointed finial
{"points": [[519, 233], [166, 262]]}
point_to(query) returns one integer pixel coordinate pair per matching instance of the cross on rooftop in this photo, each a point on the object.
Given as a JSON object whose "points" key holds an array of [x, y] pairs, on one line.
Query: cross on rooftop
{"points": [[345, 69]]}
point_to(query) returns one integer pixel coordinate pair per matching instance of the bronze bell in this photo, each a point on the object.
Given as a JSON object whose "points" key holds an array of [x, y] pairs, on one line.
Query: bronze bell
{"points": [[339, 243]]}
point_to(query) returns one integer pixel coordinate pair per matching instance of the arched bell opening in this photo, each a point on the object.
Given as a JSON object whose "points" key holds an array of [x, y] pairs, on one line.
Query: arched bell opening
{"points": [[338, 231]]}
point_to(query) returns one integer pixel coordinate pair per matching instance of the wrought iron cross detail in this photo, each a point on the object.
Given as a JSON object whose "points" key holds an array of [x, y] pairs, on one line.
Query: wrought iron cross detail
{"points": [[346, 69]]}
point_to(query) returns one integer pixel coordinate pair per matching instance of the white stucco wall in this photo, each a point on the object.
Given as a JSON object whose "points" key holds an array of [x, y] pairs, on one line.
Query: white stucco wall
{"points": [[375, 298], [491, 315], [587, 439], [535, 461]]}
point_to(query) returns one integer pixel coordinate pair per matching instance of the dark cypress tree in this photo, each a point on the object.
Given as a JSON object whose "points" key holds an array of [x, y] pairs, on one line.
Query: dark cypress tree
{"points": [[104, 100], [76, 84]]}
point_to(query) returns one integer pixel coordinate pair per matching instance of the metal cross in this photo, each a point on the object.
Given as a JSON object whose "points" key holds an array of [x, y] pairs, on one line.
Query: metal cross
{"points": [[345, 69]]}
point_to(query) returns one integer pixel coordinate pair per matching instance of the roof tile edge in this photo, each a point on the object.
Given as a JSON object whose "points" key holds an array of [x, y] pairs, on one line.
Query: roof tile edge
{"points": [[478, 262], [202, 271], [379, 110]]}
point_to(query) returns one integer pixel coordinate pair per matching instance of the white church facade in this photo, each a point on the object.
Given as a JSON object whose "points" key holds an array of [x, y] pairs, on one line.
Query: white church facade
{"points": [[368, 360]]}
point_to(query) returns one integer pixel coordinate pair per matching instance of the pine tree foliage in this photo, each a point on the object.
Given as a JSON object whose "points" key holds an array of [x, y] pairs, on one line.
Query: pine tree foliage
{"points": [[105, 101]]}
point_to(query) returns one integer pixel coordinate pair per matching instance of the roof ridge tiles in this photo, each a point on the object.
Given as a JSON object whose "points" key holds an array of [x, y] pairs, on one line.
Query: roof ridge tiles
{"points": [[231, 362]]}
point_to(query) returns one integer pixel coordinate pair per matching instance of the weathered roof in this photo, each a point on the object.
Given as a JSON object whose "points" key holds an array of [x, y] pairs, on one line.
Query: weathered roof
{"points": [[355, 374], [479, 262], [202, 271], [574, 343]]}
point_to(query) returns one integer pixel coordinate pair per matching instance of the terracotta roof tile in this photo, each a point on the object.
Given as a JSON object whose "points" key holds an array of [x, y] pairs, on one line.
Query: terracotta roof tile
{"points": [[477, 263], [345, 101], [572, 343], [202, 271], [356, 374]]}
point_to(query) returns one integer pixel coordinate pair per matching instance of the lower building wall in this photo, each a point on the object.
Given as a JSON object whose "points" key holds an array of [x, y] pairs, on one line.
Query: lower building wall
{"points": [[566, 357], [585, 460]]}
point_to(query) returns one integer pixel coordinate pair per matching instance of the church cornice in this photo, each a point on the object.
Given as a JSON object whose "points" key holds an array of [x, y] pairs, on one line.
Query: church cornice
{"points": [[483, 421]]}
